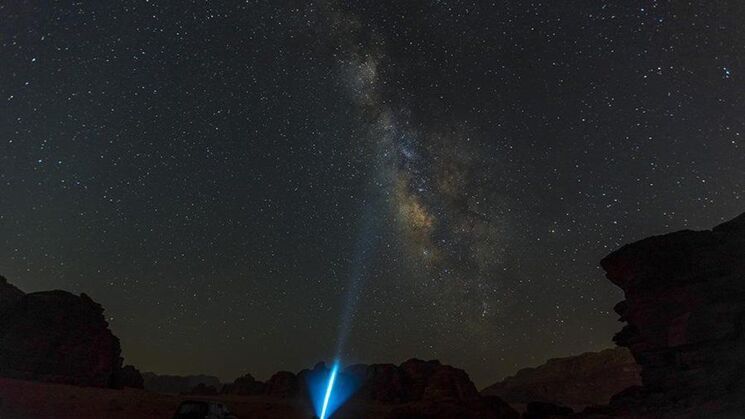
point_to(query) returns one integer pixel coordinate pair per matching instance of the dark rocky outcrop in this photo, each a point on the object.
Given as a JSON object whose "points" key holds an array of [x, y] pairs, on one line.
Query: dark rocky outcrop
{"points": [[414, 380], [588, 379], [9, 294], [244, 386], [176, 384], [55, 336], [127, 376], [685, 315], [425, 389], [417, 375], [283, 384], [381, 382], [306, 376], [448, 383]]}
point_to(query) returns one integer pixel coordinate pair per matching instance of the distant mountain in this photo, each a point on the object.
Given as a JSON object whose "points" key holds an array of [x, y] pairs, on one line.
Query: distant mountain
{"points": [[576, 381]]}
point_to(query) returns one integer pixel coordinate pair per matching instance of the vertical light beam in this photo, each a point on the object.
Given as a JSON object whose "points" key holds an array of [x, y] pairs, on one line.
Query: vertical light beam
{"points": [[329, 388]]}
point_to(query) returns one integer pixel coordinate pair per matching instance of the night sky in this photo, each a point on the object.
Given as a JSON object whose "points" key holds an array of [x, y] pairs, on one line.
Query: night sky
{"points": [[244, 184]]}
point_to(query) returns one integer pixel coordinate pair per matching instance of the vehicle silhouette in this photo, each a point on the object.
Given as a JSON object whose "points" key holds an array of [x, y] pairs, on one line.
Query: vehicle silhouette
{"points": [[202, 409]]}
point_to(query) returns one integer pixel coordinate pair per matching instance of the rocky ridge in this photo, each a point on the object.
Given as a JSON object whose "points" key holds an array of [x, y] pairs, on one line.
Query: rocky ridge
{"points": [[426, 389], [576, 381], [59, 337]]}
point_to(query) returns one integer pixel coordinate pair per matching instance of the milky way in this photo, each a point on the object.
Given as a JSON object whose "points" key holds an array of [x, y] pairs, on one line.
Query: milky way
{"points": [[449, 229], [230, 179]]}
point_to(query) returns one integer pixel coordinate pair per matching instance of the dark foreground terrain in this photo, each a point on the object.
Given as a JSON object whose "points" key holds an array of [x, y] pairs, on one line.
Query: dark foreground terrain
{"points": [[33, 400]]}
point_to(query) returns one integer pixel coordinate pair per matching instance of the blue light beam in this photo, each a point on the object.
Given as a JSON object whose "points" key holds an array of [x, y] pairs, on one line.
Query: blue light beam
{"points": [[329, 389]]}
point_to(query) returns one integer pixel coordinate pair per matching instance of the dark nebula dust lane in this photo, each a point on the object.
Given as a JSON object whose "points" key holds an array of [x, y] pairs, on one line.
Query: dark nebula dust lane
{"points": [[263, 183]]}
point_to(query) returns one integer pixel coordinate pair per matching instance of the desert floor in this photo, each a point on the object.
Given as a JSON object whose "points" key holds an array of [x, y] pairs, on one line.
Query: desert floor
{"points": [[31, 400]]}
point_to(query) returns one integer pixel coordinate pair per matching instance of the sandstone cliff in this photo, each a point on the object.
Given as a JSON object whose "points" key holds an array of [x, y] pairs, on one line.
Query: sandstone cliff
{"points": [[55, 336], [685, 315]]}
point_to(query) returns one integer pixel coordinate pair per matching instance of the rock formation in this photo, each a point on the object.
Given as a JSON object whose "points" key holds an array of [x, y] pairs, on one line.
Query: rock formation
{"points": [[381, 382], [421, 389], [283, 384], [414, 380], [127, 376], [436, 391], [575, 381], [59, 337], [9, 294], [175, 384], [244, 386], [685, 309]]}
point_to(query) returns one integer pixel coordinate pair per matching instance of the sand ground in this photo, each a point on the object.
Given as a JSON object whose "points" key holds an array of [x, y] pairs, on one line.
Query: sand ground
{"points": [[32, 400]]}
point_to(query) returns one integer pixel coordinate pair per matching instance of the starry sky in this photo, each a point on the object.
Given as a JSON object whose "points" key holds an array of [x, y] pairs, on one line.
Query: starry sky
{"points": [[249, 186]]}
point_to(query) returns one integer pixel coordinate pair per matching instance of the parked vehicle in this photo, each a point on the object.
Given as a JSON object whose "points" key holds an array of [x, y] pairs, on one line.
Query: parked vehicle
{"points": [[202, 409]]}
